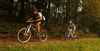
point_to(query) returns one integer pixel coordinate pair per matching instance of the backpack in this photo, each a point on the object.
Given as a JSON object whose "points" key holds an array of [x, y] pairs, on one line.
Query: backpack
{"points": [[43, 18]]}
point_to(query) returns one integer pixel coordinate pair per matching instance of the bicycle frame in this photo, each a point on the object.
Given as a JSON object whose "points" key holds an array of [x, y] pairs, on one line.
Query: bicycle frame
{"points": [[30, 26], [27, 33], [70, 33]]}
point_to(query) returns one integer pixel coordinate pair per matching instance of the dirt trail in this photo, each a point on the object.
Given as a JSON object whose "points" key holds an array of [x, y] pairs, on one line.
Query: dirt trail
{"points": [[13, 41], [10, 39]]}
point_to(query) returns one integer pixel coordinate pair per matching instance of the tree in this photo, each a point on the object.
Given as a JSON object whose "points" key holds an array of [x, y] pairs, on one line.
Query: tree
{"points": [[11, 8]]}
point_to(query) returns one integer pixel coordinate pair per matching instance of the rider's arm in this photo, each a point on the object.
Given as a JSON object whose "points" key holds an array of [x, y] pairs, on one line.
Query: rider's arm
{"points": [[39, 19], [30, 19], [40, 14], [74, 26]]}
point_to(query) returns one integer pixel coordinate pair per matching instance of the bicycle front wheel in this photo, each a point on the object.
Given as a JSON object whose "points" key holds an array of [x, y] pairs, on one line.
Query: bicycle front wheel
{"points": [[67, 36], [22, 36]]}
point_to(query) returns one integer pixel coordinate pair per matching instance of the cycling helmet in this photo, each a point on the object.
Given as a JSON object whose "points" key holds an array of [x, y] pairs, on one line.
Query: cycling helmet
{"points": [[70, 21], [34, 9]]}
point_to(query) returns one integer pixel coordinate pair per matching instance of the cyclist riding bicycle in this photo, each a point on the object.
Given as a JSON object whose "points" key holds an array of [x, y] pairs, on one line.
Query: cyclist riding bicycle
{"points": [[37, 17], [72, 27]]}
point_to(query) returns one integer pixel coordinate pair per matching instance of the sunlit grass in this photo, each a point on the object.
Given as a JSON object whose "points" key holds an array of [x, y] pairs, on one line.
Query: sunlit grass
{"points": [[90, 45]]}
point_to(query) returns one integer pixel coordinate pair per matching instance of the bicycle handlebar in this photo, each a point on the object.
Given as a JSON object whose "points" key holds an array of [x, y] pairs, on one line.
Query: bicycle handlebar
{"points": [[70, 29], [30, 21]]}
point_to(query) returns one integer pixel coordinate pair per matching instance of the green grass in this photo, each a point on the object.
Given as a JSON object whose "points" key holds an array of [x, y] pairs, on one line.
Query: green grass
{"points": [[90, 45]]}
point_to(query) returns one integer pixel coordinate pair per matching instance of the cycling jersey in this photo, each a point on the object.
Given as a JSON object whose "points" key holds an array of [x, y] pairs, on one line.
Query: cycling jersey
{"points": [[37, 16], [72, 26]]}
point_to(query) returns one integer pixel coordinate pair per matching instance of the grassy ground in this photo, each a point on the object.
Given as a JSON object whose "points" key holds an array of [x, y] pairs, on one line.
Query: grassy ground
{"points": [[87, 45]]}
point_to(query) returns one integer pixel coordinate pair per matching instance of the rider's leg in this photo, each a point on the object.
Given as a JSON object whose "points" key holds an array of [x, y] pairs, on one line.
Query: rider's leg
{"points": [[74, 32], [38, 27]]}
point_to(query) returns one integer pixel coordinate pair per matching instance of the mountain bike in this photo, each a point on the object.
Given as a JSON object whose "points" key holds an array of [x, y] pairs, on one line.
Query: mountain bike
{"points": [[24, 34], [69, 35]]}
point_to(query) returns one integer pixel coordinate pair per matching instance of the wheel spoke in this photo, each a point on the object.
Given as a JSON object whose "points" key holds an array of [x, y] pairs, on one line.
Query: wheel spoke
{"points": [[43, 36], [67, 36]]}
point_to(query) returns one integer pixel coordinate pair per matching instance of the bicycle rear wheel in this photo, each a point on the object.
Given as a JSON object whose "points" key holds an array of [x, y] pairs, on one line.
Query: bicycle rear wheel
{"points": [[22, 36], [68, 36], [75, 38], [43, 36]]}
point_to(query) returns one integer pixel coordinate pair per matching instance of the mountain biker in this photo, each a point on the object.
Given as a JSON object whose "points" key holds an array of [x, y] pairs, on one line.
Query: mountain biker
{"points": [[73, 27], [37, 16]]}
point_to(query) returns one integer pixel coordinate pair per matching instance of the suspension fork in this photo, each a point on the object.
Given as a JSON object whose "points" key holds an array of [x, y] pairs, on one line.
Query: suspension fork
{"points": [[28, 28], [70, 34]]}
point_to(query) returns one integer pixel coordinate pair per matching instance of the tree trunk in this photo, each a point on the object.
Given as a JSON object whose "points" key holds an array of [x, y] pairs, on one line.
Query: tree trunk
{"points": [[16, 8], [45, 9], [11, 8], [48, 10], [64, 18], [22, 10]]}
